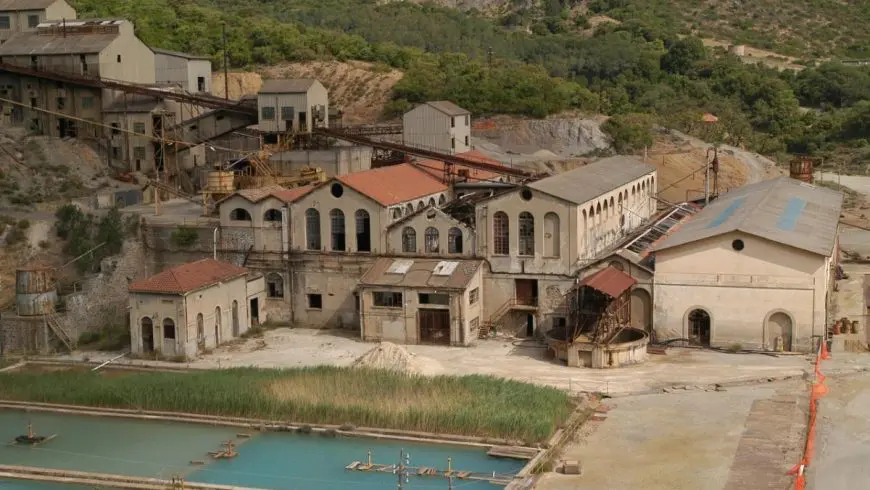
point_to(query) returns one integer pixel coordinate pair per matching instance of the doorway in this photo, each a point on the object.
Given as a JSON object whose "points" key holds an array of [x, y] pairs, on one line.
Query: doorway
{"points": [[526, 291], [530, 326], [200, 332], [779, 332], [147, 335], [641, 309], [235, 318], [217, 325], [255, 311], [699, 327], [434, 326]]}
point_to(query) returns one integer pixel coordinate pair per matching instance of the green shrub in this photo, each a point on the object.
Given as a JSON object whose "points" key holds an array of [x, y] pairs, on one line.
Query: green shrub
{"points": [[184, 236]]}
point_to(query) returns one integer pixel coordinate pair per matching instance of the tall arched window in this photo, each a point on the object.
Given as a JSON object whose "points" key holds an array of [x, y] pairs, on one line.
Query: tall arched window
{"points": [[336, 230], [431, 242], [501, 236], [552, 243], [312, 229], [441, 200], [274, 285], [409, 208], [240, 214], [454, 241], [363, 231], [168, 329], [432, 202], [272, 215], [409, 240], [527, 233]]}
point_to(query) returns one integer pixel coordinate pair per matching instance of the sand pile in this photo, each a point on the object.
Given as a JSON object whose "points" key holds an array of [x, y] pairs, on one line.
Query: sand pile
{"points": [[391, 357]]}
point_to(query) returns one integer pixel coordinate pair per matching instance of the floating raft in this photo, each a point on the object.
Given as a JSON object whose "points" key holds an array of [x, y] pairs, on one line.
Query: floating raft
{"points": [[38, 441], [494, 478], [513, 452]]}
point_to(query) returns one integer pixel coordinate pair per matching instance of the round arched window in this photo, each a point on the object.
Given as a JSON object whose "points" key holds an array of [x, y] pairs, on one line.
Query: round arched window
{"points": [[526, 195], [337, 190], [737, 245]]}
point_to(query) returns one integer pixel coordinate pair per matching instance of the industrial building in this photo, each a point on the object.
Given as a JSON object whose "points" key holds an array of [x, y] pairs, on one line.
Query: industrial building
{"points": [[440, 126], [769, 247], [187, 309], [24, 15], [292, 105]]}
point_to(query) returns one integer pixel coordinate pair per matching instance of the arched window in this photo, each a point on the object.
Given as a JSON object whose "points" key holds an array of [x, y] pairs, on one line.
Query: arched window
{"points": [[431, 242], [606, 211], [363, 231], [432, 202], [336, 230], [218, 325], [501, 236], [612, 207], [397, 213], [200, 330], [454, 241], [240, 214], [597, 214], [420, 205], [441, 200], [552, 245], [409, 240], [312, 229], [272, 215], [619, 203], [274, 285], [168, 329], [409, 208], [591, 217], [147, 334], [585, 220], [527, 233]]}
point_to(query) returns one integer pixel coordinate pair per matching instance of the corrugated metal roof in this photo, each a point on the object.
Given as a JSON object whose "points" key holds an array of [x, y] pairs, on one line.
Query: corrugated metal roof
{"points": [[610, 281], [188, 277], [782, 210], [447, 107], [393, 184], [421, 273], [30, 43], [14, 5], [135, 103], [178, 54], [287, 86], [590, 181]]}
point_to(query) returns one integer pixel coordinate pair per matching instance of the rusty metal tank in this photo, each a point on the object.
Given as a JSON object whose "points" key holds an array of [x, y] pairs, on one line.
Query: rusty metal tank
{"points": [[801, 168], [35, 290]]}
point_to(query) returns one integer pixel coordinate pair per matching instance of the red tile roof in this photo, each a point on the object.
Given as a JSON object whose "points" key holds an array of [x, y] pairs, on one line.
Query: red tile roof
{"points": [[188, 277], [281, 193], [393, 184], [294, 193], [610, 281]]}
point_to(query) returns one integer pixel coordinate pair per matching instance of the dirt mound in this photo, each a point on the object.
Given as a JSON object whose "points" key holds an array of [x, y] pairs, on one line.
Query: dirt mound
{"points": [[563, 136], [241, 83], [391, 357]]}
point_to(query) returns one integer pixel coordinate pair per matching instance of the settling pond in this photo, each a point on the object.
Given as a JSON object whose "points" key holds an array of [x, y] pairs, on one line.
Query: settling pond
{"points": [[278, 461]]}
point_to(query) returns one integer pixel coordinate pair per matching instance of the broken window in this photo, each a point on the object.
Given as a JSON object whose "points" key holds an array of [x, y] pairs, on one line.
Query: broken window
{"points": [[200, 84], [4, 22], [267, 113], [336, 220], [116, 129], [32, 21], [431, 243], [168, 329], [315, 301], [454, 241], [500, 234], [473, 296], [312, 229], [139, 127], [363, 231], [274, 285], [240, 214], [272, 215], [409, 240], [433, 299], [387, 299], [527, 233]]}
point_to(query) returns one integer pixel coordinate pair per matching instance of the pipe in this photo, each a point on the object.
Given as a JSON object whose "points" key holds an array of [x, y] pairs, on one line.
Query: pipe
{"points": [[214, 240], [109, 361]]}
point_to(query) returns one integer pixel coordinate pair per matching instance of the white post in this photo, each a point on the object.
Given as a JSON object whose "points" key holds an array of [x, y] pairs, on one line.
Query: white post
{"points": [[214, 240]]}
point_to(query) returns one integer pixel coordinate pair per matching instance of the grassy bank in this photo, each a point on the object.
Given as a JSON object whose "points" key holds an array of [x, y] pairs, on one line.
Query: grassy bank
{"points": [[469, 405]]}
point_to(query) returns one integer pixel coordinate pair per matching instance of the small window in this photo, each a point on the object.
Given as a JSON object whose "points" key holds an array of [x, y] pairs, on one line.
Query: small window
{"points": [[4, 22], [200, 84], [116, 129], [168, 329], [274, 285], [466, 141], [87, 102], [240, 214], [452, 122], [61, 103], [336, 190], [452, 143], [272, 215], [473, 296], [139, 152], [315, 301], [267, 113], [32, 21], [287, 113], [526, 195], [139, 127], [119, 58], [387, 299], [116, 152], [433, 299], [737, 245], [467, 123], [559, 322]]}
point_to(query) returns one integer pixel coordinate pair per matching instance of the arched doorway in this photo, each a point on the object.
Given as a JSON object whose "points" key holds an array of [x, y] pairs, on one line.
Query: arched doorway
{"points": [[235, 318], [147, 335], [699, 327], [641, 309], [200, 332], [217, 325], [779, 331]]}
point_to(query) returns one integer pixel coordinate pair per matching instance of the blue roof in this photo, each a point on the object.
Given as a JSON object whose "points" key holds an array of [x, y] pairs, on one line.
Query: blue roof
{"points": [[726, 213], [788, 218]]}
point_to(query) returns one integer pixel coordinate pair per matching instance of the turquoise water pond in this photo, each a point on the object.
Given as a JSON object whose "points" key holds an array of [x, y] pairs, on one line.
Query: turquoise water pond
{"points": [[275, 461]]}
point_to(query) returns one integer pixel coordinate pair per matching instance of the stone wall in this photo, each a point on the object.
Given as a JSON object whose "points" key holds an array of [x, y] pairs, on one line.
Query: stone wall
{"points": [[24, 335]]}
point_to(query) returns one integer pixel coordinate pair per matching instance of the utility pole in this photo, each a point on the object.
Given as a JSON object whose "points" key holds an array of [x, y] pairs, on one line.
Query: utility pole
{"points": [[226, 63]]}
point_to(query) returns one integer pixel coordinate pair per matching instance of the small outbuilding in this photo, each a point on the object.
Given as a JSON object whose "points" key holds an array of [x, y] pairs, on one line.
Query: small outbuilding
{"points": [[421, 301], [440, 126], [187, 309]]}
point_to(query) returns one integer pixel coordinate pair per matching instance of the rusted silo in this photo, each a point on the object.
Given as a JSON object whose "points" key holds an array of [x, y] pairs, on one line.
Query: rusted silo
{"points": [[801, 168], [35, 290]]}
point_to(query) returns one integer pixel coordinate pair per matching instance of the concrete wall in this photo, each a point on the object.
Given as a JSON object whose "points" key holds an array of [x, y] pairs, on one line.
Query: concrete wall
{"points": [[323, 200], [336, 161], [196, 70], [183, 72], [266, 234], [498, 289], [19, 21], [741, 290], [428, 128], [136, 62], [431, 218], [401, 324], [217, 325], [316, 96], [335, 279]]}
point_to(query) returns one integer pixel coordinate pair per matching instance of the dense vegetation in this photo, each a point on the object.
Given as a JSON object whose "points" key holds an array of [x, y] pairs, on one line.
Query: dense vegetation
{"points": [[642, 70], [468, 405]]}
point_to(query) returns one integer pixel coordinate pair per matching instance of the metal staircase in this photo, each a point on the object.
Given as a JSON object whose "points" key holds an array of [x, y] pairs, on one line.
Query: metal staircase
{"points": [[495, 320], [53, 323]]}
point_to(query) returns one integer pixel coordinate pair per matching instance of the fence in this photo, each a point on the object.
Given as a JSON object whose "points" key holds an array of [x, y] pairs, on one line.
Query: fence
{"points": [[819, 389]]}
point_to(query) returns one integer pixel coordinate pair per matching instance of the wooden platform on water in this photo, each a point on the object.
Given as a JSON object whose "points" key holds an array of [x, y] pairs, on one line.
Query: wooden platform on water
{"points": [[513, 452], [13, 442], [494, 478]]}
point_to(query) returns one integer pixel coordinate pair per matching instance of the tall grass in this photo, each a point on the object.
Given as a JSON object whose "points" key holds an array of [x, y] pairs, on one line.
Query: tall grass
{"points": [[469, 405]]}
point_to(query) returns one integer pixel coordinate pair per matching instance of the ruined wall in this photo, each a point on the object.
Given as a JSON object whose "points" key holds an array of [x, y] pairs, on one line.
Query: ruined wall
{"points": [[24, 335]]}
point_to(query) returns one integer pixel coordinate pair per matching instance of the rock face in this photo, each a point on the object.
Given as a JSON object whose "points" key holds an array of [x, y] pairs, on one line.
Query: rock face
{"points": [[391, 357], [562, 137]]}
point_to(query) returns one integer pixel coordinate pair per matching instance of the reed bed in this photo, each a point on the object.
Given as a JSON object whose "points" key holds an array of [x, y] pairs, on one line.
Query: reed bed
{"points": [[469, 405]]}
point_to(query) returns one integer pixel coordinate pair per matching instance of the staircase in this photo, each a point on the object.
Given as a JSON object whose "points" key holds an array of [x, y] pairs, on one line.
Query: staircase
{"points": [[53, 322], [495, 319]]}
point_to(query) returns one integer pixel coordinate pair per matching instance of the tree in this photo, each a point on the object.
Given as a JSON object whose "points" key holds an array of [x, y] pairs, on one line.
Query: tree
{"points": [[682, 55]]}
